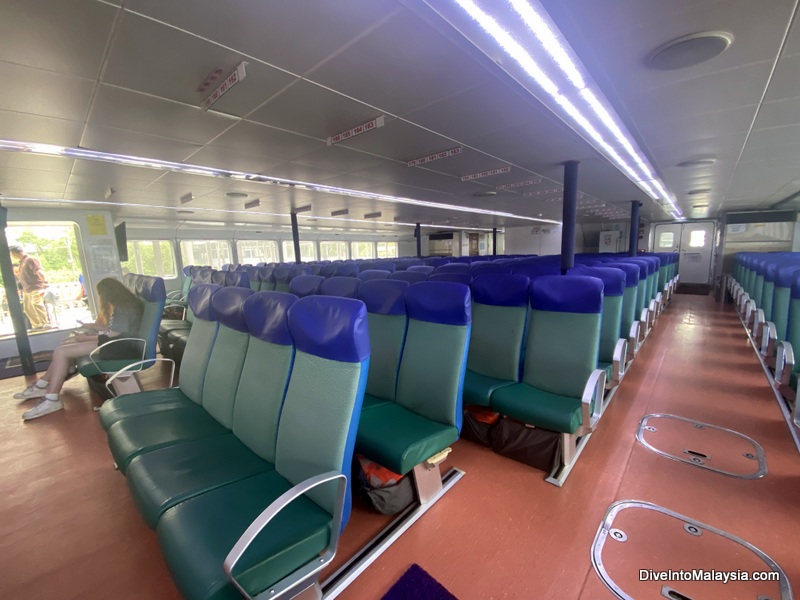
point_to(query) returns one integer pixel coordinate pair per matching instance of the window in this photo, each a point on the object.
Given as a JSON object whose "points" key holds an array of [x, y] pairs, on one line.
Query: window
{"points": [[362, 249], [387, 249], [151, 257], [252, 252], [666, 239], [308, 251], [333, 250], [697, 239], [212, 253]]}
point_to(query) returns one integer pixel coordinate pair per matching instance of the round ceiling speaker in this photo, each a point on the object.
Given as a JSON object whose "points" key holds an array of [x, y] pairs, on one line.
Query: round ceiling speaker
{"points": [[689, 50]]}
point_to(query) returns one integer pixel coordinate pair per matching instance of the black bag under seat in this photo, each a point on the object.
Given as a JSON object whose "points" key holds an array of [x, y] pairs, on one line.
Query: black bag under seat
{"points": [[530, 445]]}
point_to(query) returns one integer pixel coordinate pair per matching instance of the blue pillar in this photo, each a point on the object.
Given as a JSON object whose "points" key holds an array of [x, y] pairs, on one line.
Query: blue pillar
{"points": [[569, 215], [296, 238], [494, 241], [633, 247], [12, 298], [418, 235]]}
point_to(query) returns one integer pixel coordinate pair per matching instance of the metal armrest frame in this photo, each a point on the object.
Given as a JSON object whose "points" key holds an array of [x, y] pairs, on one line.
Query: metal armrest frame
{"points": [[645, 320], [116, 341], [619, 362], [635, 337], [758, 324], [306, 575], [593, 390], [769, 338], [749, 313], [784, 364], [137, 367]]}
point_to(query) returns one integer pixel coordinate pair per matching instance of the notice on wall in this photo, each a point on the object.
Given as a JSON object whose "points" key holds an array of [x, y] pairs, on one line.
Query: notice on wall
{"points": [[737, 228], [102, 258], [96, 224]]}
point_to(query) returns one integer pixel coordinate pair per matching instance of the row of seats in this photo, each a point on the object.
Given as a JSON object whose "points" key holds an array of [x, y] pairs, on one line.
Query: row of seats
{"points": [[765, 287], [267, 411]]}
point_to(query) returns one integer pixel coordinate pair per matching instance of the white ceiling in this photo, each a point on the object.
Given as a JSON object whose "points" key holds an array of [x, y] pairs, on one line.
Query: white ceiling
{"points": [[122, 77]]}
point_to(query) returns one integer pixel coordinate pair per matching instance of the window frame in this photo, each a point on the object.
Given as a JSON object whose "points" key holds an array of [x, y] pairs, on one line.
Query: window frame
{"points": [[227, 243], [134, 242], [243, 261]]}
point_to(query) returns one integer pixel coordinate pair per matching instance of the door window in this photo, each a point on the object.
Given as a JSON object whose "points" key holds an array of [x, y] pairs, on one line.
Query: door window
{"points": [[697, 238], [666, 239]]}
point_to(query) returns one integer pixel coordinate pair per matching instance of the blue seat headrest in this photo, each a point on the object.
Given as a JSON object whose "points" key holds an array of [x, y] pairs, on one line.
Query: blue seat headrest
{"points": [[187, 271], [785, 275], [409, 276], [153, 289], [631, 270], [567, 293], [384, 296], [237, 278], [305, 285], [228, 305], [534, 270], [328, 270], [613, 279], [281, 273], [347, 270], [298, 270], [439, 302], [369, 274], [218, 277], [427, 269], [343, 287], [479, 268], [463, 278], [454, 267], [329, 327], [200, 300], [500, 289], [266, 316], [642, 266], [265, 274], [795, 285]]}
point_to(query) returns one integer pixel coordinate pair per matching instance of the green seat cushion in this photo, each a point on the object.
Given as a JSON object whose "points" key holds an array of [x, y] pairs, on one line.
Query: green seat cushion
{"points": [[196, 536], [162, 478], [142, 403], [399, 439], [536, 407], [371, 401], [478, 389], [608, 368], [133, 436], [87, 368]]}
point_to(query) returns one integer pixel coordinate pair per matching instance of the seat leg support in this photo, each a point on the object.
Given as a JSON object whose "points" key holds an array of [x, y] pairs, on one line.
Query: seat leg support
{"points": [[427, 481], [570, 449]]}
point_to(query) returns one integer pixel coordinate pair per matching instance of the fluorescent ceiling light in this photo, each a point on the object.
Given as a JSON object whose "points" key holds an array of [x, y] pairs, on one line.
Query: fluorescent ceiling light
{"points": [[122, 159], [568, 87]]}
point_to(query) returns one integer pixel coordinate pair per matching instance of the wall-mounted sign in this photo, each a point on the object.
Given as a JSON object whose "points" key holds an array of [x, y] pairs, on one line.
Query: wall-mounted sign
{"points": [[230, 81], [357, 130], [488, 173], [543, 192], [438, 156], [96, 224], [508, 186]]}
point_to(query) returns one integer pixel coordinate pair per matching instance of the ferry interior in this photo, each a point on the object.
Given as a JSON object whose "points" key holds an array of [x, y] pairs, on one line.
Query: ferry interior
{"points": [[439, 299]]}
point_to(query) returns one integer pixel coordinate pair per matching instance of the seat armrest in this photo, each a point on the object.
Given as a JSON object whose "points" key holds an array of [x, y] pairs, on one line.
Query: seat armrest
{"points": [[784, 363], [619, 360], [769, 337], [593, 390], [302, 575], [96, 351], [635, 339], [138, 366]]}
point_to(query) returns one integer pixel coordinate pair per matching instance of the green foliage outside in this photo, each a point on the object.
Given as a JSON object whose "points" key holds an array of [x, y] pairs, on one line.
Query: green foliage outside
{"points": [[55, 247]]}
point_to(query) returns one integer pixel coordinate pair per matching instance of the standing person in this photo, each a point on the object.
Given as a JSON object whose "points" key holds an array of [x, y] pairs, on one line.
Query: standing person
{"points": [[34, 283], [120, 315]]}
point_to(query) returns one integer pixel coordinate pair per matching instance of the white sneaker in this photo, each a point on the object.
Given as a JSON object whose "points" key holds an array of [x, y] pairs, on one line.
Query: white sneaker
{"points": [[32, 391], [45, 407]]}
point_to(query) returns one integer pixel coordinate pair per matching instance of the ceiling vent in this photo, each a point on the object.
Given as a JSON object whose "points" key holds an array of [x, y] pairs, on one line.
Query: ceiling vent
{"points": [[689, 50]]}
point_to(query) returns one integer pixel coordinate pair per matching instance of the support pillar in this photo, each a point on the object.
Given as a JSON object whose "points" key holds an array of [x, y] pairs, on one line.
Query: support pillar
{"points": [[569, 215], [633, 246], [296, 238], [12, 298], [418, 235], [494, 241]]}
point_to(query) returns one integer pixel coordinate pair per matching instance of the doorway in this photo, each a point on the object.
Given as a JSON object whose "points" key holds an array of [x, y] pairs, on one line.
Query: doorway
{"points": [[694, 242], [473, 244]]}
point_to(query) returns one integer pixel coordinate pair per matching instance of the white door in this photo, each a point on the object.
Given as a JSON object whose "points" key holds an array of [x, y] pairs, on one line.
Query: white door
{"points": [[697, 249], [694, 243]]}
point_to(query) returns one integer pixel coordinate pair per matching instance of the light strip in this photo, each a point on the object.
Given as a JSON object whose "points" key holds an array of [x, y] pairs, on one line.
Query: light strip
{"points": [[152, 163], [559, 51], [250, 213]]}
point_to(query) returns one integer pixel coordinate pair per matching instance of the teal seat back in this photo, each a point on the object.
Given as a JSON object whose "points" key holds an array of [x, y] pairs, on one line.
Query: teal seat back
{"points": [[499, 318], [781, 297], [227, 356], [386, 314], [628, 313], [431, 378], [641, 287], [564, 333], [319, 419], [265, 373], [201, 341], [611, 319], [153, 295]]}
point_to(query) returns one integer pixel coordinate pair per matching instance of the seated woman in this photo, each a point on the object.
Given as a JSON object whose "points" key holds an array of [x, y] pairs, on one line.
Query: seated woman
{"points": [[120, 315]]}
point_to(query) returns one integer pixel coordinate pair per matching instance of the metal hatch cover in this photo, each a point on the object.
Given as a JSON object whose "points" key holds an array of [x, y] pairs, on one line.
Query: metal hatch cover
{"points": [[703, 445], [643, 550]]}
